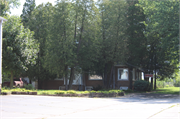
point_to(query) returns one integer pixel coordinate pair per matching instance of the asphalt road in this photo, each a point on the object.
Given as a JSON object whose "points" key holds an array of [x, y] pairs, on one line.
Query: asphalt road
{"points": [[134, 106]]}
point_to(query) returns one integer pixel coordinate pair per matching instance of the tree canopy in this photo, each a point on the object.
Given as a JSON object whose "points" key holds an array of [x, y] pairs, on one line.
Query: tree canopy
{"points": [[5, 6], [162, 32], [85, 36], [19, 47]]}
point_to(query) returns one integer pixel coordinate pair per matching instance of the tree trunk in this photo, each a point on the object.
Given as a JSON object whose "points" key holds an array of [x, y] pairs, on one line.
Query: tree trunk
{"points": [[155, 74], [71, 78], [111, 76], [155, 81], [151, 83], [130, 79], [84, 81], [11, 80], [114, 77], [105, 75], [66, 77]]}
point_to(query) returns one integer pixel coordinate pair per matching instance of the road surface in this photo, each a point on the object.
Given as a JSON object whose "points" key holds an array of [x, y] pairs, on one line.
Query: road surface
{"points": [[133, 106]]}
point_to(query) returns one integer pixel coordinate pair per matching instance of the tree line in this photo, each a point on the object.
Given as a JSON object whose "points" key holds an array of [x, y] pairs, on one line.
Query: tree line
{"points": [[83, 36]]}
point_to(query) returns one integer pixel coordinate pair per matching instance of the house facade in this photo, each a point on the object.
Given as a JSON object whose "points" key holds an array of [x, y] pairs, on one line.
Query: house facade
{"points": [[124, 77]]}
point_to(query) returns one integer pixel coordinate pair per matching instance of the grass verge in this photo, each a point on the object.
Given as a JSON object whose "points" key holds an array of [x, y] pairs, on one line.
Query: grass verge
{"points": [[169, 90], [58, 92]]}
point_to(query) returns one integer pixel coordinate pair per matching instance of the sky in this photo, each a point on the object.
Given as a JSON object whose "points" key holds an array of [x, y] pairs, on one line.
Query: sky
{"points": [[18, 11]]}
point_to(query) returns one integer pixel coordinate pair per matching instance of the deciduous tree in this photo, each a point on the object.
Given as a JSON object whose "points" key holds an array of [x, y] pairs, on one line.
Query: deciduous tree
{"points": [[19, 47]]}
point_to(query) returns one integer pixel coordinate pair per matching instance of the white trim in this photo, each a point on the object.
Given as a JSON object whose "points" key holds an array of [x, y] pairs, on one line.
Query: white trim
{"points": [[123, 71], [1, 18], [123, 88]]}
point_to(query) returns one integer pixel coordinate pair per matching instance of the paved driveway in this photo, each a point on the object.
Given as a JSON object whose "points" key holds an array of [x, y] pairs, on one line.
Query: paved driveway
{"points": [[134, 106]]}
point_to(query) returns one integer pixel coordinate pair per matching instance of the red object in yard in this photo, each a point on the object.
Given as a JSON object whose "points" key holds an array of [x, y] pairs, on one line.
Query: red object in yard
{"points": [[148, 75]]}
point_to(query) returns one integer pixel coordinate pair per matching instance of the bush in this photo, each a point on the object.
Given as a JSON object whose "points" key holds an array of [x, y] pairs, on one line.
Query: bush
{"points": [[177, 83], [128, 91], [167, 86], [97, 88], [60, 92], [142, 85], [160, 84], [71, 92], [29, 87]]}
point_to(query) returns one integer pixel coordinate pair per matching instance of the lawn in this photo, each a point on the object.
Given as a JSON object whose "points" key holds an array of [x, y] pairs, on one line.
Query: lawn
{"points": [[169, 90]]}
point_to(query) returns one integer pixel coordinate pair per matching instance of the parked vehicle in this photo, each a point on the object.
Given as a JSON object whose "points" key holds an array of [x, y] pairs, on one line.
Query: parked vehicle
{"points": [[17, 82]]}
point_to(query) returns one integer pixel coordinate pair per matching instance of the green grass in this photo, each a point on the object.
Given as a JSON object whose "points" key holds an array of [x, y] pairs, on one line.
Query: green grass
{"points": [[169, 90]]}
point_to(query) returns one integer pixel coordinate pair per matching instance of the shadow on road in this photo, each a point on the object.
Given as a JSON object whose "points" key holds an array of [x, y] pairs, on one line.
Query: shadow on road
{"points": [[150, 98]]}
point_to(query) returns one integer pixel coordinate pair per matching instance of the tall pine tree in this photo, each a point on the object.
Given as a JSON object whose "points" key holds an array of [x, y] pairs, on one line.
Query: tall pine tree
{"points": [[136, 39], [28, 7]]}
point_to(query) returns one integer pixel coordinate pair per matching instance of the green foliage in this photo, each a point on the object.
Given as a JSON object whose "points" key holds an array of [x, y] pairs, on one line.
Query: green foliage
{"points": [[128, 91], [111, 36], [177, 83], [142, 85], [19, 47], [71, 92], [162, 32], [60, 92], [160, 84], [40, 21], [17, 90], [115, 91], [136, 42], [5, 6], [29, 87], [28, 7], [167, 86], [54, 92]]}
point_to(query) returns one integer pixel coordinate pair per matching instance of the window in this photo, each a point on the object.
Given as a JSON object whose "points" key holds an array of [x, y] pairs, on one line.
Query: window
{"points": [[122, 74], [95, 77], [77, 80]]}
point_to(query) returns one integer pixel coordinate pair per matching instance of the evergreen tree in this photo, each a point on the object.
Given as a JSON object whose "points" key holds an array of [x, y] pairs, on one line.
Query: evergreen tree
{"points": [[28, 7], [41, 19], [137, 41]]}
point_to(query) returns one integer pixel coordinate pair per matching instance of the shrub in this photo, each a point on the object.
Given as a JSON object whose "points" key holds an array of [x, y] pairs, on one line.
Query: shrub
{"points": [[71, 92], [128, 91], [98, 88], [177, 83], [160, 84], [115, 91], [60, 92], [142, 85], [167, 86], [29, 86], [44, 93]]}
